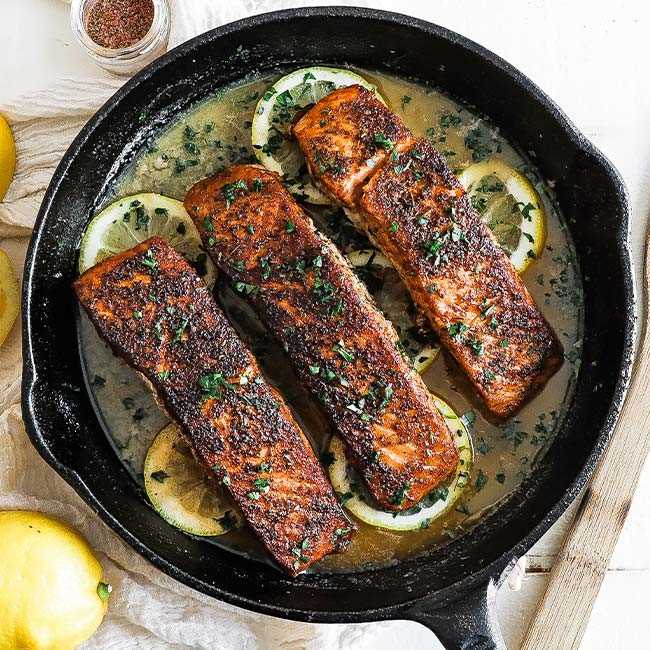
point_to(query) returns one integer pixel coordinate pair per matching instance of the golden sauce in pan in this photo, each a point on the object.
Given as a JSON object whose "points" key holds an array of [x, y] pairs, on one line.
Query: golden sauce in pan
{"points": [[504, 455]]}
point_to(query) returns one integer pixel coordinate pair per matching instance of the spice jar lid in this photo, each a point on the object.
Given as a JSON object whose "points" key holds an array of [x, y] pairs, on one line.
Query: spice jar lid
{"points": [[121, 36]]}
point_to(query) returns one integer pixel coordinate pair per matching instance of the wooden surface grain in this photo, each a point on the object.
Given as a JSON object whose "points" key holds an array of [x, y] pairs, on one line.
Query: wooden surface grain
{"points": [[589, 56], [579, 569]]}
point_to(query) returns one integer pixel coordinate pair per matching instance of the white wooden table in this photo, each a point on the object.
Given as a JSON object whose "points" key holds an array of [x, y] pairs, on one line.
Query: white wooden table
{"points": [[591, 56]]}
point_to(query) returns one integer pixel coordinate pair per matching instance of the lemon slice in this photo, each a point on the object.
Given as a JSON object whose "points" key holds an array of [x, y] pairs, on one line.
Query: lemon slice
{"points": [[391, 299], [275, 113], [9, 296], [511, 208], [7, 156], [182, 492], [356, 499], [133, 219]]}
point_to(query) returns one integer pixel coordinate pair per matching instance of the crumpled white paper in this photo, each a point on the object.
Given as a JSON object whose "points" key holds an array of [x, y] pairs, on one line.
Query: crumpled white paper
{"points": [[147, 608]]}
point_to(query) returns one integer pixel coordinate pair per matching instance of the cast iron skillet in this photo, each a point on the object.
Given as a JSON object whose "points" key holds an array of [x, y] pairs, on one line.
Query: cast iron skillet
{"points": [[450, 590]]}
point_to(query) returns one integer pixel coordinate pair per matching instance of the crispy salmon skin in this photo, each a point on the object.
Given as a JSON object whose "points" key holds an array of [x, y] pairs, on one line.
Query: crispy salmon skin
{"points": [[343, 349], [155, 312], [415, 210]]}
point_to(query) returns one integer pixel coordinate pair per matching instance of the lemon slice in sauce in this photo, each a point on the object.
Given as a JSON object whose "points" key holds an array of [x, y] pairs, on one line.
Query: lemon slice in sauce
{"points": [[132, 219], [510, 206], [182, 491]]}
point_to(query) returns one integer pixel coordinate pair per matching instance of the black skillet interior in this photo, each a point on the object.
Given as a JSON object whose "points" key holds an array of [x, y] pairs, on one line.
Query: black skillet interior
{"points": [[58, 413]]}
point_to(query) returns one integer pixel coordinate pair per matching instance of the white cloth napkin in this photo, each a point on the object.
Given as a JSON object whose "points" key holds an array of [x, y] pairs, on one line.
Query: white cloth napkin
{"points": [[147, 608]]}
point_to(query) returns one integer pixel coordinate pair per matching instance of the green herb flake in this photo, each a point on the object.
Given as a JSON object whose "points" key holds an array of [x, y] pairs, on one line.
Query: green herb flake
{"points": [[213, 385], [382, 141], [149, 260], [401, 494], [341, 350], [229, 191], [457, 331]]}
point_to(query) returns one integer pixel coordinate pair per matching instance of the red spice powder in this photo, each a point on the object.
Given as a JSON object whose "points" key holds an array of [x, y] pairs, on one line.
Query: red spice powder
{"points": [[119, 23]]}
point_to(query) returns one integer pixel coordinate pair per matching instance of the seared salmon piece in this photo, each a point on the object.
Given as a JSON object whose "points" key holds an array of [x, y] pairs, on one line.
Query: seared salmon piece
{"points": [[411, 205], [345, 136], [342, 348], [417, 212], [154, 311]]}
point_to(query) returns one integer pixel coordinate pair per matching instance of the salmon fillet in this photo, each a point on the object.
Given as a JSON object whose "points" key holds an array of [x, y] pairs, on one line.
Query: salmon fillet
{"points": [[345, 137], [155, 312], [415, 210], [342, 348]]}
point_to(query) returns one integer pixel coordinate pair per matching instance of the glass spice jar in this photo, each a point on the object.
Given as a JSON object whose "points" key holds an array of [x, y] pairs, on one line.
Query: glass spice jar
{"points": [[131, 58]]}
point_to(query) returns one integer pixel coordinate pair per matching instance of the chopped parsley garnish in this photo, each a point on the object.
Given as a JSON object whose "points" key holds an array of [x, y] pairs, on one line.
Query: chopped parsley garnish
{"points": [[481, 480], [149, 260], [449, 119], [159, 476], [394, 227], [476, 346], [341, 350], [401, 494], [158, 329], [500, 477], [405, 100], [213, 385], [137, 314], [300, 552], [189, 132], [457, 331], [475, 142], [381, 140], [265, 266], [229, 190], [289, 226], [245, 288]]}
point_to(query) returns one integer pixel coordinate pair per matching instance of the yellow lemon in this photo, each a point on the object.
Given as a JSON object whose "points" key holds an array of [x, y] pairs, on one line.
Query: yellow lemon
{"points": [[51, 592], [9, 296], [7, 156]]}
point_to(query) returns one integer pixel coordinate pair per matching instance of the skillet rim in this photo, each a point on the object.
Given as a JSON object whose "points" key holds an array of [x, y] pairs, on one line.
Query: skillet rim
{"points": [[497, 569]]}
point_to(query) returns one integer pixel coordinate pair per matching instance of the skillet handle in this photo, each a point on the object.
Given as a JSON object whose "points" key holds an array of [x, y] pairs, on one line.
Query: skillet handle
{"points": [[469, 623]]}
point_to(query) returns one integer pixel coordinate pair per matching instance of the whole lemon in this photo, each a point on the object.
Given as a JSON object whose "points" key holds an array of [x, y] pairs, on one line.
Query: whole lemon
{"points": [[51, 592], [7, 156], [9, 296]]}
